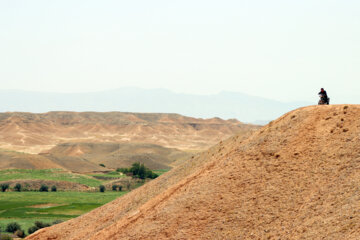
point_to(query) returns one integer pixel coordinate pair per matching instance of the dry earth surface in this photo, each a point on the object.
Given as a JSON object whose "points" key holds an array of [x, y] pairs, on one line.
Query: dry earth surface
{"points": [[79, 142], [296, 178], [35, 133]]}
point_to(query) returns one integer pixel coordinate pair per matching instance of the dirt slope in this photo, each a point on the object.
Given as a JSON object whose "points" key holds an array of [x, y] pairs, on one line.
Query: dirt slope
{"points": [[34, 133], [115, 155], [296, 178], [12, 159]]}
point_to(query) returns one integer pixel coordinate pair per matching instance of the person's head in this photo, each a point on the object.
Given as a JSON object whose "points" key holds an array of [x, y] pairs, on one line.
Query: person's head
{"points": [[322, 90]]}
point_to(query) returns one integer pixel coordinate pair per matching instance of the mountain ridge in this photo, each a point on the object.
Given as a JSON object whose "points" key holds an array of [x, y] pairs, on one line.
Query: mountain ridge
{"points": [[225, 105]]}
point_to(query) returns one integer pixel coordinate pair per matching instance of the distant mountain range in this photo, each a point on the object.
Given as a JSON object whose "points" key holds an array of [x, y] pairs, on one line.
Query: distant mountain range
{"points": [[226, 105]]}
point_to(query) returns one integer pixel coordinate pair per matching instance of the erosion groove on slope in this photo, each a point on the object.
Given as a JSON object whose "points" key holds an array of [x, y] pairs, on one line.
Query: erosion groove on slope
{"points": [[34, 133], [296, 178]]}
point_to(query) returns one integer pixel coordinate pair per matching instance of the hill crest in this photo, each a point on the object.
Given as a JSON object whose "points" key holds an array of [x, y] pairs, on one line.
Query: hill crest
{"points": [[295, 178]]}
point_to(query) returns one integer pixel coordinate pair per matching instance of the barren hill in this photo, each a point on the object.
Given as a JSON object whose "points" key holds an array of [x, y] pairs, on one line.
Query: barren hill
{"points": [[34, 133], [75, 156], [296, 178], [12, 159]]}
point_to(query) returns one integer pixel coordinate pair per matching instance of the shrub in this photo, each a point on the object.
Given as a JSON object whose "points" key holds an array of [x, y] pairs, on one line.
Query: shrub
{"points": [[114, 187], [38, 225], [139, 170], [57, 221], [17, 187], [4, 187], [32, 229], [102, 188], [13, 227], [151, 174], [101, 165], [120, 187], [53, 188], [41, 224], [44, 188], [20, 233], [123, 170]]}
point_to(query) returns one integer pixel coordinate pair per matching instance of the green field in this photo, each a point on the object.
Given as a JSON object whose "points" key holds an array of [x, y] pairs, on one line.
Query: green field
{"points": [[110, 175], [161, 171], [27, 207], [48, 174]]}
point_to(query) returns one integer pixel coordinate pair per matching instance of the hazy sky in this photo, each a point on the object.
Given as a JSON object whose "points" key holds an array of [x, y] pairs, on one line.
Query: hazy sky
{"points": [[282, 50]]}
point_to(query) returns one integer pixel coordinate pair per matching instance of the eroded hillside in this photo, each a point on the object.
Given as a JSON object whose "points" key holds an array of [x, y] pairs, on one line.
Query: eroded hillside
{"points": [[296, 178], [34, 133], [80, 142]]}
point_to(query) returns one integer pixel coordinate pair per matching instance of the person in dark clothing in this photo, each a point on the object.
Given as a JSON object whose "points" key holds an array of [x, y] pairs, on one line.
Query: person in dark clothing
{"points": [[323, 96]]}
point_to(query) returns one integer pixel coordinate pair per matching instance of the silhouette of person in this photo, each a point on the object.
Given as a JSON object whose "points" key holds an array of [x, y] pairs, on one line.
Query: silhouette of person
{"points": [[324, 96]]}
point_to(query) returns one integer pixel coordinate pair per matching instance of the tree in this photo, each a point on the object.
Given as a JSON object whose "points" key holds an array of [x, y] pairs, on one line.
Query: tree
{"points": [[44, 188], [102, 188], [120, 188], [114, 187], [142, 171], [17, 187], [53, 188], [13, 227], [4, 186], [135, 168], [101, 165]]}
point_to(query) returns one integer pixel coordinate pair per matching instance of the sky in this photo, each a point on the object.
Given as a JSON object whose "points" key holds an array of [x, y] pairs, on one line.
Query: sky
{"points": [[279, 49]]}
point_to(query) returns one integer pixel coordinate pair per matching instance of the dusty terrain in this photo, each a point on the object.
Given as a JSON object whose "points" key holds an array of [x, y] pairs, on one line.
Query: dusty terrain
{"points": [[12, 159], [35, 133], [296, 178], [79, 142], [74, 156]]}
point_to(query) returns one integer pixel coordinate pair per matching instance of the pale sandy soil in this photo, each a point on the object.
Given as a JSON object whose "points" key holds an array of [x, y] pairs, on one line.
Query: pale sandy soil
{"points": [[35, 133], [296, 178]]}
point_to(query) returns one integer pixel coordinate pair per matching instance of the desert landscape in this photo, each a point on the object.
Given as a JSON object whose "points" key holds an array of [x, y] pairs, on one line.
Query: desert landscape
{"points": [[295, 178], [199, 120], [79, 142], [89, 158]]}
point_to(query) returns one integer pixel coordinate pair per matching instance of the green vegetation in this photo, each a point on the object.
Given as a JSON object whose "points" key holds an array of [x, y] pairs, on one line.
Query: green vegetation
{"points": [[161, 171], [27, 207], [115, 187], [44, 188], [48, 174], [32, 210], [20, 233], [108, 176], [17, 187], [139, 170], [13, 227], [38, 225], [4, 187], [102, 188]]}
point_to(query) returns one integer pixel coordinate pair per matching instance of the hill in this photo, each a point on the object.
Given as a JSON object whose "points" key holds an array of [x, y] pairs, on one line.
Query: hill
{"points": [[295, 178], [115, 155], [224, 104], [34, 133], [12, 159], [79, 142]]}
